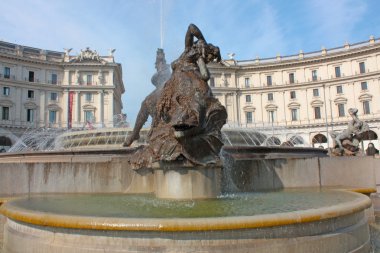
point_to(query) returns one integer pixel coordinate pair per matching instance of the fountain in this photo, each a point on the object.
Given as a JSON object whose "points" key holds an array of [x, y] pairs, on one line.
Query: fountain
{"points": [[184, 191], [347, 142]]}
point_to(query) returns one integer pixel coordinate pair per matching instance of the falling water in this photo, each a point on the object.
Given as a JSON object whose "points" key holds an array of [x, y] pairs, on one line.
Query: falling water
{"points": [[37, 139], [161, 25]]}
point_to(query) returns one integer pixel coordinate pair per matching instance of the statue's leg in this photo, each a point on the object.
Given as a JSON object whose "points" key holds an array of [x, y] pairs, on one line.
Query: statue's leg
{"points": [[339, 143], [142, 117]]}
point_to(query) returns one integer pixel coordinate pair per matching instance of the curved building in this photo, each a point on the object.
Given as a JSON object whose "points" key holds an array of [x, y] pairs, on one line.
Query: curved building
{"points": [[43, 88], [298, 99]]}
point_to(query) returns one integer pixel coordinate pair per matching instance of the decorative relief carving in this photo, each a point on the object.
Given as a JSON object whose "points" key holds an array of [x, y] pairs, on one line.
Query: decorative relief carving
{"points": [[88, 55]]}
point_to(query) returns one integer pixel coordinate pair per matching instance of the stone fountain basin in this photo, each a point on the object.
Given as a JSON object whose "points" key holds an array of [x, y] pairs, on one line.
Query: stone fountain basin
{"points": [[336, 223]]}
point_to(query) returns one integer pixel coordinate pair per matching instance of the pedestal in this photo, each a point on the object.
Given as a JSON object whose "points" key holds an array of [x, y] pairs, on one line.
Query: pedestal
{"points": [[183, 183]]}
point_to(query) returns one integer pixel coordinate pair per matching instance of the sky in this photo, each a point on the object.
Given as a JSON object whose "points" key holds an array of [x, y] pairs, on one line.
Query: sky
{"points": [[136, 28]]}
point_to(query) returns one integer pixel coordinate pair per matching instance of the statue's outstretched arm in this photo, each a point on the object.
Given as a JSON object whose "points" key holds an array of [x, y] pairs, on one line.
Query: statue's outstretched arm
{"points": [[142, 117], [193, 31]]}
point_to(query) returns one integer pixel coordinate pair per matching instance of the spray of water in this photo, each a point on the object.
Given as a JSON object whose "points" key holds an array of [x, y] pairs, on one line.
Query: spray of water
{"points": [[161, 24]]}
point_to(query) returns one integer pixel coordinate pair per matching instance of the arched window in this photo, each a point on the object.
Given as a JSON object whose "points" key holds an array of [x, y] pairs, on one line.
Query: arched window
{"points": [[319, 138]]}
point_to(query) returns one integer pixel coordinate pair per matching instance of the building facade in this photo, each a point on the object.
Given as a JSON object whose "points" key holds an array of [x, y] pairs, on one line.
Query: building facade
{"points": [[300, 98], [42, 88]]}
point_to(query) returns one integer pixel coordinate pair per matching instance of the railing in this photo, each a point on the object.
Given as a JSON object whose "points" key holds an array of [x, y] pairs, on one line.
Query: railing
{"points": [[85, 83], [59, 82], [35, 80], [32, 80], [302, 55], [11, 77]]}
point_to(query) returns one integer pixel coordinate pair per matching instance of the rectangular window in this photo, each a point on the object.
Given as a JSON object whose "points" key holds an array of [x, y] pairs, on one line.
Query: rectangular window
{"points": [[88, 116], [247, 82], [248, 98], [314, 75], [341, 112], [339, 89], [30, 115], [364, 85], [5, 113], [89, 79], [291, 77], [270, 96], [294, 114], [248, 116], [317, 112], [271, 116], [53, 96], [269, 80], [7, 72], [316, 92], [52, 116], [212, 82], [31, 76], [30, 94], [337, 71], [88, 97], [366, 107], [293, 94], [362, 67], [54, 79], [6, 91]]}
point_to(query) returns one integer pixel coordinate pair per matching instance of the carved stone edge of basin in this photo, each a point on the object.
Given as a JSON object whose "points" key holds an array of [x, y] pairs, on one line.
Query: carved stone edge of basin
{"points": [[360, 203]]}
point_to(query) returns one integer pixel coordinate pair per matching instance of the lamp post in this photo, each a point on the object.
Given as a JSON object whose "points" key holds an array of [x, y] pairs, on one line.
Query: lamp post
{"points": [[326, 123]]}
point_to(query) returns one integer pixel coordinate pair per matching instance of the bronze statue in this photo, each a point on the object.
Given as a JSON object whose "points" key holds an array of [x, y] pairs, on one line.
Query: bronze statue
{"points": [[188, 118], [347, 142], [148, 106]]}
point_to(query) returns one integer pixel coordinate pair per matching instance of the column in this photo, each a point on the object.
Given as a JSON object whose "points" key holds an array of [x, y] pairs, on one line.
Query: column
{"points": [[111, 110], [78, 109], [262, 109], [101, 106], [283, 101], [42, 109], [238, 94], [66, 78], [77, 78], [326, 117], [42, 76], [65, 108], [110, 78], [234, 105], [307, 108], [18, 106], [19, 73]]}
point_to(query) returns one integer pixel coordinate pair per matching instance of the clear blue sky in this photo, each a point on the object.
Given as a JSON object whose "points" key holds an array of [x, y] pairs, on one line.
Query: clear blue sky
{"points": [[249, 28]]}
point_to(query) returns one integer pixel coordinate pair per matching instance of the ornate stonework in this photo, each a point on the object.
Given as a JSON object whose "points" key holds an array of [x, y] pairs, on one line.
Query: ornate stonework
{"points": [[88, 55]]}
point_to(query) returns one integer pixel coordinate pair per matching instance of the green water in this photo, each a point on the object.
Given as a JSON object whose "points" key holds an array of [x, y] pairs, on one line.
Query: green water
{"points": [[147, 206]]}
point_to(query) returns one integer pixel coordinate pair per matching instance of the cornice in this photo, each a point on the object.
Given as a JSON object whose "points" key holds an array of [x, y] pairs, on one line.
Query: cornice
{"points": [[57, 64], [283, 64], [29, 60], [318, 59]]}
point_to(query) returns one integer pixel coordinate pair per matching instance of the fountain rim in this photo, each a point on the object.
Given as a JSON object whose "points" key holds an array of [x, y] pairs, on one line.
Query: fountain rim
{"points": [[185, 224]]}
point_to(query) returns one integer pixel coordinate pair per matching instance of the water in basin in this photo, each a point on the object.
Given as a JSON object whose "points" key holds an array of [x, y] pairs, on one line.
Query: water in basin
{"points": [[147, 206]]}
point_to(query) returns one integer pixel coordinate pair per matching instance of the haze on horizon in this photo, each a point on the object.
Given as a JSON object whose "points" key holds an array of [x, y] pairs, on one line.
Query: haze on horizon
{"points": [[247, 28]]}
